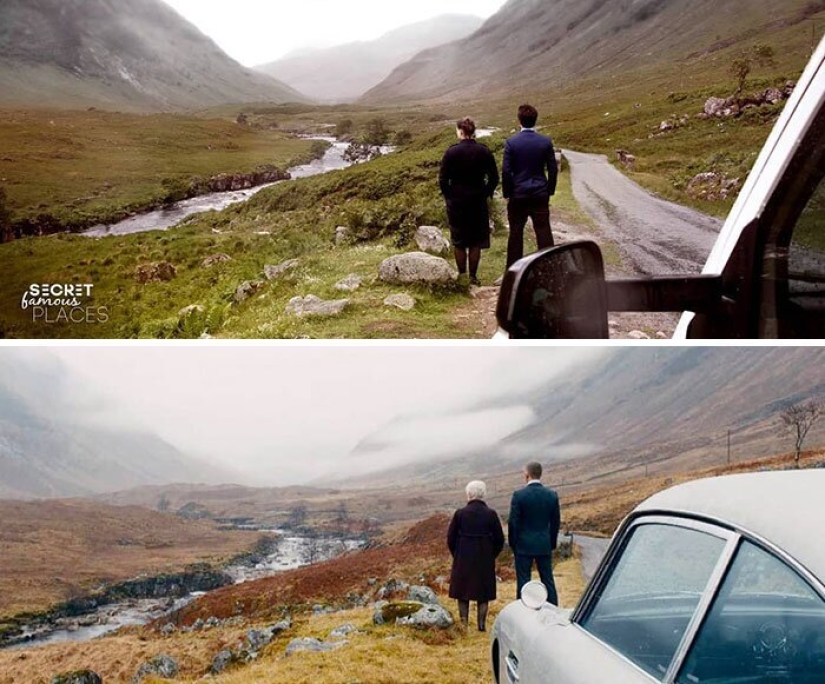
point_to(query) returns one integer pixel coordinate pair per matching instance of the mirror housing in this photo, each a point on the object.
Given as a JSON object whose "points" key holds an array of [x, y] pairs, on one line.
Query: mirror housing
{"points": [[559, 293], [534, 595]]}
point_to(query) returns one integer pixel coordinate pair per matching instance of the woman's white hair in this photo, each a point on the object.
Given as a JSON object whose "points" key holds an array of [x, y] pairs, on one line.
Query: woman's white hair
{"points": [[476, 491]]}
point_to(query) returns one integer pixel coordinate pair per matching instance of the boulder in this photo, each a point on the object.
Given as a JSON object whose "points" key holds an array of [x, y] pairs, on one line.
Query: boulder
{"points": [[341, 235], [256, 639], [431, 240], [275, 272], [246, 290], [395, 610], [221, 661], [191, 310], [422, 595], [400, 301], [428, 616], [78, 677], [311, 305], [160, 666], [281, 626], [168, 629], [773, 95], [312, 645], [349, 284], [393, 588], [215, 259], [155, 273], [342, 631], [417, 268]]}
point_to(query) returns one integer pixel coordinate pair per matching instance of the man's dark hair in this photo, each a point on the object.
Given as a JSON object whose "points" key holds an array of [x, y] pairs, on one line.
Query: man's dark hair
{"points": [[467, 126], [533, 470], [528, 115]]}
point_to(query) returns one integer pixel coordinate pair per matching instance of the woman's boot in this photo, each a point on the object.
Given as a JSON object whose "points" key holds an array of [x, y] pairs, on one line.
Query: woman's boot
{"points": [[482, 616], [464, 612]]}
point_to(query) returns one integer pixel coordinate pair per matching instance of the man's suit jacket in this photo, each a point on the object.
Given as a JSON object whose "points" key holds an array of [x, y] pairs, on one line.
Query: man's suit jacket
{"points": [[535, 518], [530, 168]]}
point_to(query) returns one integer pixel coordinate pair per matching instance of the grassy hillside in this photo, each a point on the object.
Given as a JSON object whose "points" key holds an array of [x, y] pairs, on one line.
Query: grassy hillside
{"points": [[382, 202], [87, 167], [54, 551]]}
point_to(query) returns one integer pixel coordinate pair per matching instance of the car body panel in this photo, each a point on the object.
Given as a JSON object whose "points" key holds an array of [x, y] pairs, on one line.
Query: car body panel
{"points": [[781, 511]]}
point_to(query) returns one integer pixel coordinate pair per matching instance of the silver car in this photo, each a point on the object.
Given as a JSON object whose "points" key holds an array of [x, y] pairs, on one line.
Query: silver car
{"points": [[718, 581]]}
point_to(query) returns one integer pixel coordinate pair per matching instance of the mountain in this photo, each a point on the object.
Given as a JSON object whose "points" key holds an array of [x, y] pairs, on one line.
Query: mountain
{"points": [[47, 452], [346, 72], [636, 406], [138, 55], [544, 44]]}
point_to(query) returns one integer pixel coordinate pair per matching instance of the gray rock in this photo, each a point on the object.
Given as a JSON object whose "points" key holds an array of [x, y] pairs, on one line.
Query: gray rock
{"points": [[281, 626], [78, 677], [215, 259], [638, 335], [191, 310], [417, 268], [315, 306], [341, 235], [212, 622], [422, 595], [221, 661], [378, 613], [155, 273], [247, 290], [197, 625], [430, 239], [372, 581], [275, 272], [342, 631], [168, 629], [159, 666], [428, 616], [349, 284], [400, 301], [256, 639], [312, 645], [714, 106]]}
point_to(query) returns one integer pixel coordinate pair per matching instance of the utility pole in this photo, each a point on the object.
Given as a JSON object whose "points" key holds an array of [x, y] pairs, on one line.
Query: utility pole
{"points": [[728, 447]]}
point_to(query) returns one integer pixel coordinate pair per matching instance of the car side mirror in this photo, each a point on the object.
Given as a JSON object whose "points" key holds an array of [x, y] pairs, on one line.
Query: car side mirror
{"points": [[560, 293], [534, 595]]}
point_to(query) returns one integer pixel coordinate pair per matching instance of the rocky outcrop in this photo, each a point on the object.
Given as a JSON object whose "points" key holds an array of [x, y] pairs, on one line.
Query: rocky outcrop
{"points": [[161, 272], [256, 640], [417, 268], [712, 186], [78, 677], [400, 301], [430, 239], [226, 182], [313, 645], [276, 272], [246, 290], [160, 666], [721, 108], [215, 259], [349, 284], [312, 306]]}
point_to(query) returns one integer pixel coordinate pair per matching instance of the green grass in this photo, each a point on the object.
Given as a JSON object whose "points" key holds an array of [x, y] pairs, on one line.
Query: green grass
{"points": [[88, 167]]}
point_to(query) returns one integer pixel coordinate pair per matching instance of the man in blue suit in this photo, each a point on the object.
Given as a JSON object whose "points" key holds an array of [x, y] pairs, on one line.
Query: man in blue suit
{"points": [[529, 177], [533, 530]]}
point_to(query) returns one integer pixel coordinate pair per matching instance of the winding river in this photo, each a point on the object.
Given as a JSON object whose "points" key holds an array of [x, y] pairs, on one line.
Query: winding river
{"points": [[167, 217], [290, 553]]}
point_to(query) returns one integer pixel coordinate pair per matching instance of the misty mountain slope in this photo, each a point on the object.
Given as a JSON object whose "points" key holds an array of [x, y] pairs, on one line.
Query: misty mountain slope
{"points": [[632, 402], [139, 54], [46, 452], [542, 44], [346, 72]]}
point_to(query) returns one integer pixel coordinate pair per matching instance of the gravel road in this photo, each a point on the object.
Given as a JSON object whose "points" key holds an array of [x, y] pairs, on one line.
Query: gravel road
{"points": [[593, 550], [656, 237]]}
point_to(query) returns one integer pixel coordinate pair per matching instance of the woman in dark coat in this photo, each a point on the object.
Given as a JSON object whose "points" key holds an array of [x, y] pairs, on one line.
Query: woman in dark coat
{"points": [[475, 539], [468, 179]]}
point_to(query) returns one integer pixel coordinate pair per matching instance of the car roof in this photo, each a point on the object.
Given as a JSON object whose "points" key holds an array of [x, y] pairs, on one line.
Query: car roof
{"points": [[784, 508]]}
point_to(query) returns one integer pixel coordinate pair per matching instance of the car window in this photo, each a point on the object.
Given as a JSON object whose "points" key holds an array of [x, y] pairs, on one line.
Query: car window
{"points": [[653, 590], [767, 626], [806, 270]]}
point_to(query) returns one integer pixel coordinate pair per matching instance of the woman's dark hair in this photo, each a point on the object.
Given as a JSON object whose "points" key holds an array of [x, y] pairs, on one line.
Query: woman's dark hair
{"points": [[467, 126], [528, 115]]}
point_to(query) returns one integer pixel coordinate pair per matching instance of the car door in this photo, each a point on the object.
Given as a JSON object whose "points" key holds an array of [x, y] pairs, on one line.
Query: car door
{"points": [[639, 608]]}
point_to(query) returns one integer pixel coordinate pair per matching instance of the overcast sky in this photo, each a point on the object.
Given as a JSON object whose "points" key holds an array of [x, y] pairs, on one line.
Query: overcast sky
{"points": [[259, 31], [292, 414]]}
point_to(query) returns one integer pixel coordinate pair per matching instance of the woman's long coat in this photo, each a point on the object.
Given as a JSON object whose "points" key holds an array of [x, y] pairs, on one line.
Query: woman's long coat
{"points": [[475, 539]]}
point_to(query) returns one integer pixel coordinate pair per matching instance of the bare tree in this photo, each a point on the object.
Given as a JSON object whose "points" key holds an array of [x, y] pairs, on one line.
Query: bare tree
{"points": [[799, 419]]}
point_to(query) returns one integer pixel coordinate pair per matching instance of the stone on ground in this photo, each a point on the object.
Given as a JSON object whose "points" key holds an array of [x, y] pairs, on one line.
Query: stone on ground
{"points": [[417, 268]]}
